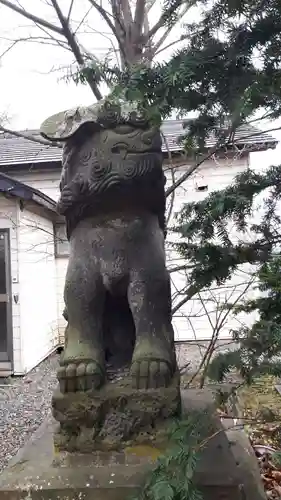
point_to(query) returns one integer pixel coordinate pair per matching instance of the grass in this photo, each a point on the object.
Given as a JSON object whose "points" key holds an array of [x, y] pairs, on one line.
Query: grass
{"points": [[261, 404]]}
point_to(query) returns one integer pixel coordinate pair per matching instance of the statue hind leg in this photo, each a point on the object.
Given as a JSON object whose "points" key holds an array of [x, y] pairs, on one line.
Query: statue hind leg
{"points": [[82, 363], [153, 362]]}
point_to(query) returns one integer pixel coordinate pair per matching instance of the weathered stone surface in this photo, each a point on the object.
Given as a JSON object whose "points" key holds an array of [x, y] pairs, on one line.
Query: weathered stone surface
{"points": [[114, 417], [227, 469], [228, 458], [37, 473], [117, 290], [107, 113]]}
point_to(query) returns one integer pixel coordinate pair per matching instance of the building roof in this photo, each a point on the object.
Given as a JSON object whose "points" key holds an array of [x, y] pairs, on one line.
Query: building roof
{"points": [[18, 150], [20, 190]]}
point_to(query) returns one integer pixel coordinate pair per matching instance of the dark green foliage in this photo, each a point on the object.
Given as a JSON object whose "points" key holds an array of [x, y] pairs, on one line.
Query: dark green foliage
{"points": [[206, 240], [260, 345], [276, 458], [228, 69], [217, 253], [172, 478], [242, 73]]}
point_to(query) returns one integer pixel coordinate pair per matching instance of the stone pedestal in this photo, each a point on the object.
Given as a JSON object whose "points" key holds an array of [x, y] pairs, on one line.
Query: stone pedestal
{"points": [[114, 417], [227, 470]]}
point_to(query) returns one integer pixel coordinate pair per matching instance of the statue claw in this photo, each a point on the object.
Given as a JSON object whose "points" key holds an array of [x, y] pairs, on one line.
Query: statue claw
{"points": [[81, 376], [152, 374]]}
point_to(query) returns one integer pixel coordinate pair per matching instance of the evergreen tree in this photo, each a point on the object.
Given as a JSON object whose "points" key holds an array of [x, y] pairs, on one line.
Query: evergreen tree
{"points": [[217, 253], [226, 72], [216, 73]]}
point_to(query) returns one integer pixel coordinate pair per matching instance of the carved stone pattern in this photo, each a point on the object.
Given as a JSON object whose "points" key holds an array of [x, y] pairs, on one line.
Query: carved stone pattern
{"points": [[114, 166]]}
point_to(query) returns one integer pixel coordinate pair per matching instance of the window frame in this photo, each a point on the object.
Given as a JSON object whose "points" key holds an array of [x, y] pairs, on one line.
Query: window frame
{"points": [[60, 240]]}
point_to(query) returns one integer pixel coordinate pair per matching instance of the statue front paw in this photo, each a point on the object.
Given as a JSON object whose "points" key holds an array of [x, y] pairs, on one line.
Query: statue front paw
{"points": [[150, 374], [66, 200], [73, 193], [80, 376]]}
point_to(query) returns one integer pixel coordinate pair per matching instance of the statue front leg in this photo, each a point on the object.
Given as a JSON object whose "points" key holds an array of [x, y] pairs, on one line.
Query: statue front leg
{"points": [[82, 363], [153, 362]]}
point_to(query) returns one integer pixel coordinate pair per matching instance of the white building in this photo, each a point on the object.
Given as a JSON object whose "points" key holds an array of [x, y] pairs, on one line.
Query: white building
{"points": [[33, 261]]}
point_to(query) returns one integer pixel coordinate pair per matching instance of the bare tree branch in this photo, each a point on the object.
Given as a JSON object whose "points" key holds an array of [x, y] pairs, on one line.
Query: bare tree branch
{"points": [[215, 149], [37, 39], [108, 21], [9, 48], [139, 16], [149, 5], [183, 267], [192, 290], [30, 137], [183, 37], [171, 207], [168, 30], [161, 21], [190, 170], [75, 48], [147, 54], [107, 37], [127, 13], [116, 14], [70, 10], [82, 20], [32, 17]]}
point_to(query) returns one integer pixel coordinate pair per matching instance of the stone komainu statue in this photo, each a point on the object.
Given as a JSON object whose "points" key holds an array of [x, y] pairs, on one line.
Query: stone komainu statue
{"points": [[117, 289]]}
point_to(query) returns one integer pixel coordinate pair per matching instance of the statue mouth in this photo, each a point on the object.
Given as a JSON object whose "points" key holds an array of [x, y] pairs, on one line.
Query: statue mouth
{"points": [[143, 151], [124, 152]]}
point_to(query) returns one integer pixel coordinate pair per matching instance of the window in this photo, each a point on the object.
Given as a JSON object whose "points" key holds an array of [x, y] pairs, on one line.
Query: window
{"points": [[61, 241], [201, 187]]}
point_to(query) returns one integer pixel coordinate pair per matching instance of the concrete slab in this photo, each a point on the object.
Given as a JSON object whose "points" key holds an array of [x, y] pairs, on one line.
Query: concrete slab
{"points": [[37, 472], [226, 471]]}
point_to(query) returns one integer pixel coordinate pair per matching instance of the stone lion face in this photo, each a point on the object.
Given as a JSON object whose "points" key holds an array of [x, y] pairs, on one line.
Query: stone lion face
{"points": [[127, 140], [127, 152], [108, 156], [98, 162]]}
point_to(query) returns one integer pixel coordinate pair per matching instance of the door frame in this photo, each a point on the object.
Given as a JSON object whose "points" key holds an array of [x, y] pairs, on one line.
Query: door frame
{"points": [[10, 350]]}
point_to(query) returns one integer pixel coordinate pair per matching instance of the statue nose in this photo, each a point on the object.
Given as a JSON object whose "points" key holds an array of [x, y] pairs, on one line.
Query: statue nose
{"points": [[152, 138], [120, 150]]}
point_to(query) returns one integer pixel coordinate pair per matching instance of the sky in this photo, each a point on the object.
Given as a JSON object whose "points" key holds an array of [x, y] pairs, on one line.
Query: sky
{"points": [[32, 87]]}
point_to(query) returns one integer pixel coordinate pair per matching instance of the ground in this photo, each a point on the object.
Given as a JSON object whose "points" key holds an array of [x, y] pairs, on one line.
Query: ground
{"points": [[24, 404], [26, 401], [261, 404]]}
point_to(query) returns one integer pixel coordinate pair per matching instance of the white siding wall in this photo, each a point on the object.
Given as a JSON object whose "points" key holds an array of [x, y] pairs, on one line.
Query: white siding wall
{"points": [[198, 317], [61, 266], [37, 294], [190, 320], [9, 220], [48, 183]]}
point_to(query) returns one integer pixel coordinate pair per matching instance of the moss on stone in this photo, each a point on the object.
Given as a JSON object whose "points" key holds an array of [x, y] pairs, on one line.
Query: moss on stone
{"points": [[114, 417]]}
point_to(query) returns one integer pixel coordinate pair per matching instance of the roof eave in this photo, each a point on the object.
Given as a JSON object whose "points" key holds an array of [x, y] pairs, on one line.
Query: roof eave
{"points": [[247, 147], [20, 190]]}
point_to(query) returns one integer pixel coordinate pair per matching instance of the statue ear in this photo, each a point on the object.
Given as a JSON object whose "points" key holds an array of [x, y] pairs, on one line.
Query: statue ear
{"points": [[63, 125], [65, 315]]}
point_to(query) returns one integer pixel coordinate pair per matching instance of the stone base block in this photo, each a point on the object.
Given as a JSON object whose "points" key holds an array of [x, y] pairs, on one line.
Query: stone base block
{"points": [[40, 473], [114, 417], [227, 469]]}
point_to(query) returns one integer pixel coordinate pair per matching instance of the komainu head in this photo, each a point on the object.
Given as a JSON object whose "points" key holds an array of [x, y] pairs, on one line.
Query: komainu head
{"points": [[112, 158]]}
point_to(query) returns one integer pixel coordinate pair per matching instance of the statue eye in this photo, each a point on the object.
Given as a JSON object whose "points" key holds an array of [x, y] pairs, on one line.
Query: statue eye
{"points": [[124, 129], [118, 148]]}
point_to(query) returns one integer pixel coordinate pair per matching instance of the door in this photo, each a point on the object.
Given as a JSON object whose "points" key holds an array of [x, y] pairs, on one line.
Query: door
{"points": [[5, 298]]}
